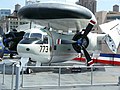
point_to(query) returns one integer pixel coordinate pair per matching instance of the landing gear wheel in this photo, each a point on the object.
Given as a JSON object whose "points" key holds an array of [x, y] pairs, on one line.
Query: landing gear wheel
{"points": [[28, 71], [11, 55]]}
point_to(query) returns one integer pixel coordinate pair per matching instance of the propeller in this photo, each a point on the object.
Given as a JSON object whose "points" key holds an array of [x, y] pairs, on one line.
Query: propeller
{"points": [[80, 41], [86, 55]]}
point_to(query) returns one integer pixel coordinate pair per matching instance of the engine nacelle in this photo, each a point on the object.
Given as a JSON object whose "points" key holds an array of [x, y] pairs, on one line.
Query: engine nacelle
{"points": [[92, 41]]}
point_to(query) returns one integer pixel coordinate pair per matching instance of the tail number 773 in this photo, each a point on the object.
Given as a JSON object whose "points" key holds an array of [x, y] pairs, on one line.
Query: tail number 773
{"points": [[44, 48]]}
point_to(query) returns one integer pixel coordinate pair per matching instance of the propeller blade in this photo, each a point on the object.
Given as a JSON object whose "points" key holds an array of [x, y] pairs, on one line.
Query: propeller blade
{"points": [[62, 41], [87, 56], [88, 28]]}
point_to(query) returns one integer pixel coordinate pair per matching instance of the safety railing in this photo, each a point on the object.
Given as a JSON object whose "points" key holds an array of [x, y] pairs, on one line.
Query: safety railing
{"points": [[83, 76], [12, 74], [89, 74]]}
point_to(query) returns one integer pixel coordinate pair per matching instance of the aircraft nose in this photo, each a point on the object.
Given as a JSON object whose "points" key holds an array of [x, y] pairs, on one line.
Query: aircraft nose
{"points": [[23, 48]]}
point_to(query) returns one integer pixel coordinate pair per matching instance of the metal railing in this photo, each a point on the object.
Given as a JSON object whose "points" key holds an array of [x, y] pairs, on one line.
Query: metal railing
{"points": [[4, 75], [19, 80], [91, 72]]}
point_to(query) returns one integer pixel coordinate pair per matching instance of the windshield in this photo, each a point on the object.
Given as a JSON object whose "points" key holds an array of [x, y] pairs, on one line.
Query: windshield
{"points": [[41, 39], [26, 35], [45, 39], [36, 35]]}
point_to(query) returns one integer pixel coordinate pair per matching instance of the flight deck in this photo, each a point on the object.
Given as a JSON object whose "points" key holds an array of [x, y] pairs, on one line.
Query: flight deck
{"points": [[63, 78]]}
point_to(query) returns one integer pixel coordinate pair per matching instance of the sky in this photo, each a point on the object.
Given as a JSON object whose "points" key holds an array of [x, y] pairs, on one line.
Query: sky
{"points": [[105, 5]]}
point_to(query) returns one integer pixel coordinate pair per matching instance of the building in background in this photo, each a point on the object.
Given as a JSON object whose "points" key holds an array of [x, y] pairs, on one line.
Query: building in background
{"points": [[116, 8], [11, 21], [104, 16], [4, 12], [17, 7], [90, 4]]}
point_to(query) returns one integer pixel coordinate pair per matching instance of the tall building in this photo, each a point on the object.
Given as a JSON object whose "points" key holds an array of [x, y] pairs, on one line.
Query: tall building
{"points": [[17, 7], [4, 12], [90, 4], [116, 8], [11, 21]]}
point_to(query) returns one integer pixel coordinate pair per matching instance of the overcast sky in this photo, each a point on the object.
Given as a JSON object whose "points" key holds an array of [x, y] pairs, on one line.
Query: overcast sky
{"points": [[105, 5]]}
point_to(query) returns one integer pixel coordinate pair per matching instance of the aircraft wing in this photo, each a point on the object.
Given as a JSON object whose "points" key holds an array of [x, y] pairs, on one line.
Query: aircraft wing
{"points": [[112, 29], [47, 14]]}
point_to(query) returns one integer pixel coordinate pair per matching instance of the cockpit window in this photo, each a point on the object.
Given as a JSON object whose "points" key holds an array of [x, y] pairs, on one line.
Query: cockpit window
{"points": [[26, 35], [36, 35], [45, 39]]}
